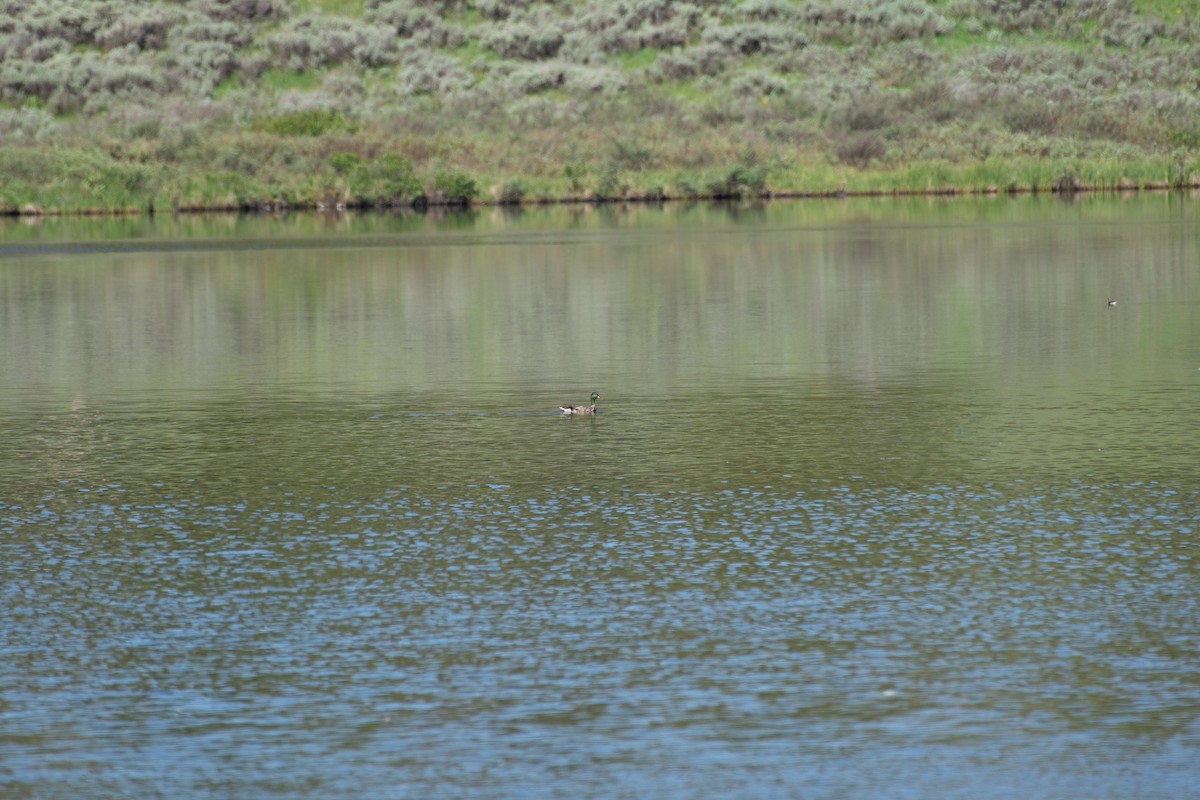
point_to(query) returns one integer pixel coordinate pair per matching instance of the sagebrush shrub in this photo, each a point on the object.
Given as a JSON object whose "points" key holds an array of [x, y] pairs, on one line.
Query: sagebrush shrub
{"points": [[860, 148], [523, 40], [316, 41], [425, 73], [146, 29], [25, 124], [691, 62], [408, 20], [201, 65], [243, 10]]}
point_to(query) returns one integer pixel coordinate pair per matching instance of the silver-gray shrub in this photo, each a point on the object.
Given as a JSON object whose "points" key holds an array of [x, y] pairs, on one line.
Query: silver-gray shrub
{"points": [[753, 37], [422, 72], [524, 40], [316, 40], [26, 124], [770, 10], [530, 78], [377, 48], [685, 63], [635, 24], [146, 28], [877, 21], [499, 9], [242, 10], [198, 28], [38, 50], [756, 83], [575, 79], [202, 52], [411, 20], [200, 65], [77, 21], [597, 80], [20, 80], [68, 82]]}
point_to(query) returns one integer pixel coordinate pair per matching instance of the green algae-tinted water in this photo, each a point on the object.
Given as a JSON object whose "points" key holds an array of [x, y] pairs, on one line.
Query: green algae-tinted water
{"points": [[883, 501]]}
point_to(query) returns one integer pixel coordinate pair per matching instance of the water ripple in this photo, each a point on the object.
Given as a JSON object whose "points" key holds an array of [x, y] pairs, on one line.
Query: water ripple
{"points": [[491, 634]]}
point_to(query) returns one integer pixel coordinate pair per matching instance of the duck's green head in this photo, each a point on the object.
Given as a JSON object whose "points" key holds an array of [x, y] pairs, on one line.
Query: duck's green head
{"points": [[595, 397]]}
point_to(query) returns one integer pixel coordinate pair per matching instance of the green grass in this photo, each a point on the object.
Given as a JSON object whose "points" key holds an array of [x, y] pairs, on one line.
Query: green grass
{"points": [[638, 59], [72, 180], [227, 87], [1169, 10], [306, 122], [284, 80]]}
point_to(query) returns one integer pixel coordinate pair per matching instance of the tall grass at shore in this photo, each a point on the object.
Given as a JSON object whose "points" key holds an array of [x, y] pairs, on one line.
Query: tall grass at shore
{"points": [[37, 180], [81, 180]]}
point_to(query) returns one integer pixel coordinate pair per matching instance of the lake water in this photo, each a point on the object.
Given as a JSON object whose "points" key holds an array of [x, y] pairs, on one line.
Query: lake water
{"points": [[883, 501]]}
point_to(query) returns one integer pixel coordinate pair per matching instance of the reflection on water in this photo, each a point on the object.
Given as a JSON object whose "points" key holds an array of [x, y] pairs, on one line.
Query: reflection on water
{"points": [[882, 501]]}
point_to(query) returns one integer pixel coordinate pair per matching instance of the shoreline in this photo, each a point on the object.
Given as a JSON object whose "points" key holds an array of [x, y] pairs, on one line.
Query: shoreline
{"points": [[33, 211]]}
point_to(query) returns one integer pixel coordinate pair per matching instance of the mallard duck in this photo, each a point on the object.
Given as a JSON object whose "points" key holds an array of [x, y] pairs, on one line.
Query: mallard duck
{"points": [[572, 410]]}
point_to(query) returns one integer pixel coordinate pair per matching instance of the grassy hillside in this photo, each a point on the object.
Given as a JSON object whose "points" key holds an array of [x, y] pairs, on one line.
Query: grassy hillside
{"points": [[128, 104]]}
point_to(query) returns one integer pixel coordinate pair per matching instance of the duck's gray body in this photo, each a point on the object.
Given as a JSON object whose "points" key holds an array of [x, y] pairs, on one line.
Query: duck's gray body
{"points": [[572, 411]]}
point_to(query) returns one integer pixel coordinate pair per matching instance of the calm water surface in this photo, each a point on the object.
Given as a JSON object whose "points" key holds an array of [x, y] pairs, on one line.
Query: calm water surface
{"points": [[883, 501]]}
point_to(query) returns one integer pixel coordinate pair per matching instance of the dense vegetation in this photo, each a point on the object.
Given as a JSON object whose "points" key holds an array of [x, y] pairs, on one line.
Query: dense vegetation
{"points": [[126, 104]]}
